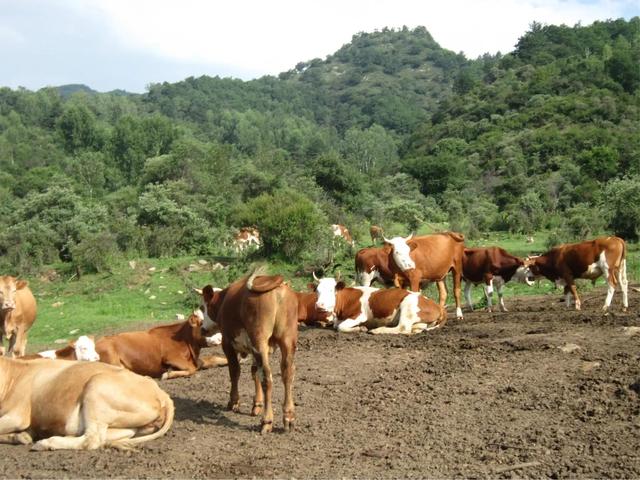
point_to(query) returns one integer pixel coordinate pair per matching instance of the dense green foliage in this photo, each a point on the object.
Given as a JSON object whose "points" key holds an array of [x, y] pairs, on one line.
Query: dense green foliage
{"points": [[391, 129]]}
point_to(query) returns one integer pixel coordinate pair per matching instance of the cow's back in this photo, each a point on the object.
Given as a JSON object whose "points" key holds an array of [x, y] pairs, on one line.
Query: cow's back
{"points": [[137, 351]]}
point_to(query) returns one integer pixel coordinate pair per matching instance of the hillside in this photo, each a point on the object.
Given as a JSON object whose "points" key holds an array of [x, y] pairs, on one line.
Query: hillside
{"points": [[390, 129]]}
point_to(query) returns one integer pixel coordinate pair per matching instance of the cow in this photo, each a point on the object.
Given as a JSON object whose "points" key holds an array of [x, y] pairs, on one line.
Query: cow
{"points": [[167, 351], [255, 314], [83, 349], [603, 256], [392, 310], [430, 258], [246, 238], [376, 232], [17, 313], [375, 263], [340, 231], [79, 405], [494, 267]]}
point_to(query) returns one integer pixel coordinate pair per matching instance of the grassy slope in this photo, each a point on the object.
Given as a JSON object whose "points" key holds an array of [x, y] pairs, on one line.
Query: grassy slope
{"points": [[106, 302]]}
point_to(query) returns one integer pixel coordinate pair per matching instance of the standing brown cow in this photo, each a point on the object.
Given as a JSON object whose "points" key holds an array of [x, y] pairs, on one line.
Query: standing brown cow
{"points": [[430, 258], [17, 314], [376, 232], [604, 256], [255, 314]]}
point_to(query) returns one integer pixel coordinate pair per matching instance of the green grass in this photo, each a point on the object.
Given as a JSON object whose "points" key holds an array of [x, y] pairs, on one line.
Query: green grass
{"points": [[106, 302]]}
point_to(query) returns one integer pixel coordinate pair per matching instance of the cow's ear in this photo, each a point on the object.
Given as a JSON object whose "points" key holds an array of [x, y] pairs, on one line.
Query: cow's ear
{"points": [[194, 321], [340, 285], [412, 245], [20, 284], [207, 293], [311, 286]]}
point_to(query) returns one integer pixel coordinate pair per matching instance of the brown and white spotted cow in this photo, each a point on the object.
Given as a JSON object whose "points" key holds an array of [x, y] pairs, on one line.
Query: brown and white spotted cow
{"points": [[430, 258], [82, 349], [603, 256], [17, 314], [255, 314], [246, 238], [391, 310], [375, 263], [340, 231], [494, 267]]}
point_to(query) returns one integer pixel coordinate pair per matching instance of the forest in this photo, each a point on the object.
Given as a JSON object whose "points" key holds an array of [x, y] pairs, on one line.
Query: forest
{"points": [[391, 129]]}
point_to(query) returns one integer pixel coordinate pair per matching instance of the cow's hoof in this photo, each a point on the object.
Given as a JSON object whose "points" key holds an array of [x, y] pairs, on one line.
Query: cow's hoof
{"points": [[256, 410], [289, 424], [23, 438], [40, 446], [234, 407], [266, 427], [624, 309]]}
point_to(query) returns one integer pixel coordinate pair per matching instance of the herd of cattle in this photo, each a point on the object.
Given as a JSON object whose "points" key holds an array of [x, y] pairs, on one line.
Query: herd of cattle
{"points": [[67, 399]]}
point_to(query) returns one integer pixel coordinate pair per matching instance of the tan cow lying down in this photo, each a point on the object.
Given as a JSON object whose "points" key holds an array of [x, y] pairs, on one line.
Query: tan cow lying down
{"points": [[79, 405], [167, 351], [17, 314], [391, 310]]}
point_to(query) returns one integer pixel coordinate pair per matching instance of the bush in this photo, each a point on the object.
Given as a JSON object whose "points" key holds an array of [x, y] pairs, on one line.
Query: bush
{"points": [[623, 204], [95, 253]]}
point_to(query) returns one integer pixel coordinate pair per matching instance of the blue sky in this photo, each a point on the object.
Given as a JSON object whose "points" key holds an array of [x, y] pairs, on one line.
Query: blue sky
{"points": [[127, 44]]}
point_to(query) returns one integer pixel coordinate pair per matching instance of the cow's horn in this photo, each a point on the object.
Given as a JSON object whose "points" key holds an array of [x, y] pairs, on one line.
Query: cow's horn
{"points": [[386, 239], [338, 276], [197, 290], [409, 237], [315, 278]]}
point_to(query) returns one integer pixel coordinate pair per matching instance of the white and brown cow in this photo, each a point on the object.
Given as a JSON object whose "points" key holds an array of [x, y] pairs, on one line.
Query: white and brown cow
{"points": [[340, 231], [79, 405], [494, 267], [255, 314], [375, 263], [17, 314], [247, 238], [392, 310], [603, 256], [82, 349], [430, 258]]}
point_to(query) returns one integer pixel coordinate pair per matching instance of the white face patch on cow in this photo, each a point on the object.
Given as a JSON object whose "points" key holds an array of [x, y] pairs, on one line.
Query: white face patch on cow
{"points": [[48, 354], [401, 253], [207, 322], [524, 275], [85, 349], [365, 279], [326, 290]]}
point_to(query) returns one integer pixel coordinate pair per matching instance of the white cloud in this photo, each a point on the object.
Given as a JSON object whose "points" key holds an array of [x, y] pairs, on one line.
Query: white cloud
{"points": [[272, 36], [10, 36]]}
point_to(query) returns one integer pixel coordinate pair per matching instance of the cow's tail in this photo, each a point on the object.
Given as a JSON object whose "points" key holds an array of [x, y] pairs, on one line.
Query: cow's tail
{"points": [[169, 412], [458, 237], [260, 282]]}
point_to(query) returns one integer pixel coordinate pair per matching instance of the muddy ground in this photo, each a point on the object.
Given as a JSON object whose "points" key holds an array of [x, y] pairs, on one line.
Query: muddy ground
{"points": [[490, 396]]}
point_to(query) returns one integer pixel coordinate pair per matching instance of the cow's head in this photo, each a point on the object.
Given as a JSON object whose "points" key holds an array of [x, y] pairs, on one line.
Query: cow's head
{"points": [[326, 288], [210, 300], [8, 289], [401, 251], [533, 265], [85, 349], [524, 274]]}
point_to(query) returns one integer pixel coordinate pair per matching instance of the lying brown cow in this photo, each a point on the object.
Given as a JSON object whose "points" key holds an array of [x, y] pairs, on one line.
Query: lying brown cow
{"points": [[604, 256], [73, 405], [17, 314], [430, 258], [492, 266], [167, 351], [255, 314], [391, 310]]}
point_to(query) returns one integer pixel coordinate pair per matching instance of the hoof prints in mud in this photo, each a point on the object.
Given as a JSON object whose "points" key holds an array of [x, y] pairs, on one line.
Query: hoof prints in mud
{"points": [[490, 396]]}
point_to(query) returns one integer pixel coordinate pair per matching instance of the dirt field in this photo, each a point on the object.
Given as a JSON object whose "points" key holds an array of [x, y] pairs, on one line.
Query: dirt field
{"points": [[490, 396]]}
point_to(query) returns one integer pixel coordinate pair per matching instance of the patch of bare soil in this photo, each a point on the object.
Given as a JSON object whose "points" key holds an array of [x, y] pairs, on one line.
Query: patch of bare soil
{"points": [[535, 392]]}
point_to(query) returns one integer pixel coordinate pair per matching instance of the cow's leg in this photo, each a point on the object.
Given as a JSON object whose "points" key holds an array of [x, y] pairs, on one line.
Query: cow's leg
{"points": [[488, 292], [499, 284], [442, 293], [18, 438], [95, 436], [13, 338], [21, 341], [182, 366], [287, 369], [211, 361], [258, 397], [574, 293], [457, 290], [2, 340], [13, 426], [264, 371], [624, 284], [350, 325], [467, 294], [234, 375]]}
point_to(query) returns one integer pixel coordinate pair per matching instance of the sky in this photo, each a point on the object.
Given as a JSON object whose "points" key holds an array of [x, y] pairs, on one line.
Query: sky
{"points": [[129, 44]]}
